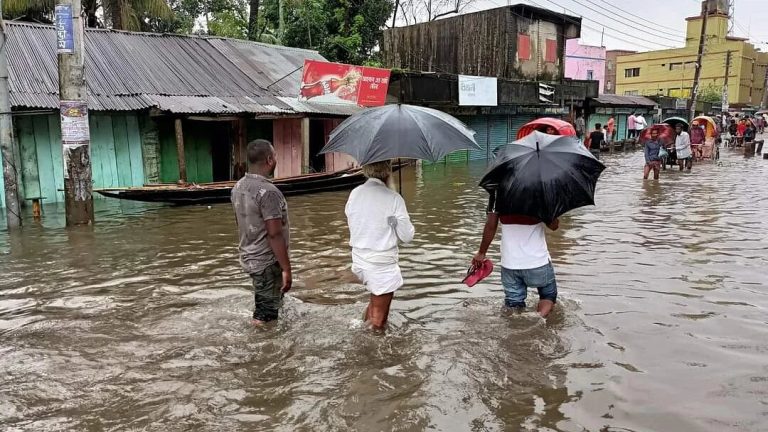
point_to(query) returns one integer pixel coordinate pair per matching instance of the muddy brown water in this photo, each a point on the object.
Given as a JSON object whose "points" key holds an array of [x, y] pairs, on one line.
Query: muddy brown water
{"points": [[141, 323]]}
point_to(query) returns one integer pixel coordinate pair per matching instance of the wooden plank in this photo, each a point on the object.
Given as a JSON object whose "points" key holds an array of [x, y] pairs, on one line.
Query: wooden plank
{"points": [[44, 161], [97, 173], [122, 151], [134, 146], [29, 174], [180, 152], [169, 166], [106, 150], [203, 151], [54, 133]]}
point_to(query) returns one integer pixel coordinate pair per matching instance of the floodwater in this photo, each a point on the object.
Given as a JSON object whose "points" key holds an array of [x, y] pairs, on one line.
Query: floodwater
{"points": [[142, 323]]}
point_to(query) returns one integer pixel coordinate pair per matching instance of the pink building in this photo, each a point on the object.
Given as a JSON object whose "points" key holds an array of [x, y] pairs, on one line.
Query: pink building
{"points": [[584, 62]]}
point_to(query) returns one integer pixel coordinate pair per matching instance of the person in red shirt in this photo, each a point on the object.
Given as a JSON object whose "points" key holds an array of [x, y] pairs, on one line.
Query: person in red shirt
{"points": [[740, 129]]}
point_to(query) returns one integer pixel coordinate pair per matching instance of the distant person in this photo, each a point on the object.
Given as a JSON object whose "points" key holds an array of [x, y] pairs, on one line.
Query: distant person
{"points": [[596, 139], [740, 129], [733, 132], [611, 125], [750, 132], [631, 126], [377, 219], [640, 124], [683, 148], [652, 159], [580, 126], [261, 213], [525, 260], [550, 131]]}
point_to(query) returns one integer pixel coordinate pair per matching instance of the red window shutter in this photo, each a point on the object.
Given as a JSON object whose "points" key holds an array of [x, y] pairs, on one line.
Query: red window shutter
{"points": [[551, 55], [523, 47]]}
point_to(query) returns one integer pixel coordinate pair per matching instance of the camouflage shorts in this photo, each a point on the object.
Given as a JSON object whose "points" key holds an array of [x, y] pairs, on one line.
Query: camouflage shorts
{"points": [[266, 293]]}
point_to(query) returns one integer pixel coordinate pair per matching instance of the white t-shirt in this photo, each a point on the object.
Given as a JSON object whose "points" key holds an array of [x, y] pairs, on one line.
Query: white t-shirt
{"points": [[640, 123], [523, 246]]}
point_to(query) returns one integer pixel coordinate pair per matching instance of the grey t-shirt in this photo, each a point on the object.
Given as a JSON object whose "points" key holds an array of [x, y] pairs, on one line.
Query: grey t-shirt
{"points": [[256, 200]]}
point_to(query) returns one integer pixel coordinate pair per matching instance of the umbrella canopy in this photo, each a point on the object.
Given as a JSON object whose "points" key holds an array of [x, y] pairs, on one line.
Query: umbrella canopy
{"points": [[400, 131], [666, 134], [673, 121], [543, 176], [561, 127]]}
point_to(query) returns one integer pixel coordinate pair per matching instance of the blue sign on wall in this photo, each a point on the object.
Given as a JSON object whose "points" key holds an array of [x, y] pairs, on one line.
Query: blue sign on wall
{"points": [[65, 36]]}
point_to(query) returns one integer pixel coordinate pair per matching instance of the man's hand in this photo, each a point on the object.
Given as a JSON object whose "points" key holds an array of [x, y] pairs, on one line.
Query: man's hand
{"points": [[392, 221], [554, 225], [287, 281], [478, 259]]}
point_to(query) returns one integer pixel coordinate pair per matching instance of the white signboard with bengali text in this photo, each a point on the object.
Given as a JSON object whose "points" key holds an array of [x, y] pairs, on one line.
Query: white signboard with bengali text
{"points": [[477, 91]]}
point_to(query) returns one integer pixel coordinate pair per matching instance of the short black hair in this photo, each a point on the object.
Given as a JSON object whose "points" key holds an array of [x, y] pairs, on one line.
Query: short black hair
{"points": [[259, 151], [597, 125]]}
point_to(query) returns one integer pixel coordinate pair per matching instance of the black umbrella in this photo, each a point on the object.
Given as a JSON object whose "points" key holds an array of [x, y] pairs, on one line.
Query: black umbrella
{"points": [[400, 131], [543, 176]]}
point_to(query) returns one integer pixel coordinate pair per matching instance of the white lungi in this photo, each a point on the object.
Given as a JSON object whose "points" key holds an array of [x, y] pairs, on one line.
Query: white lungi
{"points": [[377, 270]]}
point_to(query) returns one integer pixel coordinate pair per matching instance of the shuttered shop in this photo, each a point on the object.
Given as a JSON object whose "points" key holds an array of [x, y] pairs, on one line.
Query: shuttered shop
{"points": [[479, 124], [517, 122]]}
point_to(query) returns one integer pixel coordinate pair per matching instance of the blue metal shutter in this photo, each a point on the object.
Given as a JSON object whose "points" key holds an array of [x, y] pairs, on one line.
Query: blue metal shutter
{"points": [[479, 124], [516, 122], [499, 132]]}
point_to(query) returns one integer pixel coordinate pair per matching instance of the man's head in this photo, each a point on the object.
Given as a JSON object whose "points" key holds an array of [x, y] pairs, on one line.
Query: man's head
{"points": [[654, 134], [679, 128], [261, 157], [550, 130], [378, 170], [598, 126]]}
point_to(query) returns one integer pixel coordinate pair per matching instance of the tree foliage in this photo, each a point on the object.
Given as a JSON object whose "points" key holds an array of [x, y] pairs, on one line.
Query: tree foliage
{"points": [[117, 14], [712, 93], [347, 31]]}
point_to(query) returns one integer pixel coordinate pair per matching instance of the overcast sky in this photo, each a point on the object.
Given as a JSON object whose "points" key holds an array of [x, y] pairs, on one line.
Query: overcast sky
{"points": [[645, 25]]}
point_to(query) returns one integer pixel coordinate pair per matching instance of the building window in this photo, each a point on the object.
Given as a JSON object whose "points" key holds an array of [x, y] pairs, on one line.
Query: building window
{"points": [[590, 74], [608, 85], [630, 73], [609, 65], [551, 55], [523, 47], [681, 65], [631, 93]]}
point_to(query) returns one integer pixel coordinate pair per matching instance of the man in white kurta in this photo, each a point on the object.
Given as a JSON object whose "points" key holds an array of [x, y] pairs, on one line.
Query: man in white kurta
{"points": [[377, 219], [683, 148]]}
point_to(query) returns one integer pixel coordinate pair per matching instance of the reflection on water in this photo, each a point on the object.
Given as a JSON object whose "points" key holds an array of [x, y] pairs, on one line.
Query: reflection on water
{"points": [[141, 322]]}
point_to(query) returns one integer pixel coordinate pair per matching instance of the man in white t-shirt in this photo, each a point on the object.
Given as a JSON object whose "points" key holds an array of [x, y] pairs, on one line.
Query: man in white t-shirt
{"points": [[640, 124], [525, 260]]}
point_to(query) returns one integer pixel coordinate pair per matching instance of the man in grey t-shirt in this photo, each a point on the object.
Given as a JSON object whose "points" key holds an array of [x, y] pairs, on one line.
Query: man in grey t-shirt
{"points": [[262, 221]]}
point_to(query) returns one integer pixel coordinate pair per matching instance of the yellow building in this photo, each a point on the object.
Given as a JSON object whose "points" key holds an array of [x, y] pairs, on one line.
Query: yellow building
{"points": [[670, 72]]}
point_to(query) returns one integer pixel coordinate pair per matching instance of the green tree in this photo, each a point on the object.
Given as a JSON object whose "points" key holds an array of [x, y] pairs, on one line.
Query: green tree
{"points": [[117, 14], [346, 31], [712, 93]]}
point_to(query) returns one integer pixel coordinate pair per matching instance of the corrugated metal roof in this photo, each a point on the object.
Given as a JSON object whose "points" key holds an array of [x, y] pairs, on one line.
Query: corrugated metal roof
{"points": [[321, 108], [626, 101], [180, 74]]}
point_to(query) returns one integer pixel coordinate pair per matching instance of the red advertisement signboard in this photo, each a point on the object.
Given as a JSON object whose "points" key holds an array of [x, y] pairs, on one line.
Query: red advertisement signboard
{"points": [[342, 83]]}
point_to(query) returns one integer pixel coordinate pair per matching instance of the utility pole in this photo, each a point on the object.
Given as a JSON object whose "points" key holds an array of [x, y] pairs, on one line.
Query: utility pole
{"points": [[697, 73], [10, 171], [75, 132], [764, 102], [725, 81]]}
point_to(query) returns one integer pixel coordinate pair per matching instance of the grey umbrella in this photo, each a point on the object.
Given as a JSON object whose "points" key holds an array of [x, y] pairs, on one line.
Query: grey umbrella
{"points": [[400, 131]]}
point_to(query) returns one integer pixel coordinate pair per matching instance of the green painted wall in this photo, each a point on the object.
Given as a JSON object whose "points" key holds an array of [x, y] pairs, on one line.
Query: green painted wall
{"points": [[197, 145], [116, 154]]}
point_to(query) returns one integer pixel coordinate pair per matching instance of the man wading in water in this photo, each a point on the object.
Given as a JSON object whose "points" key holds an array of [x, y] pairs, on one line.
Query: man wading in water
{"points": [[261, 213], [377, 219], [525, 260]]}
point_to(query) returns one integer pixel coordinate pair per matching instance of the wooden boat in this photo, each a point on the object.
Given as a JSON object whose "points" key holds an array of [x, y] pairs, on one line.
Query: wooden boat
{"points": [[219, 192]]}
